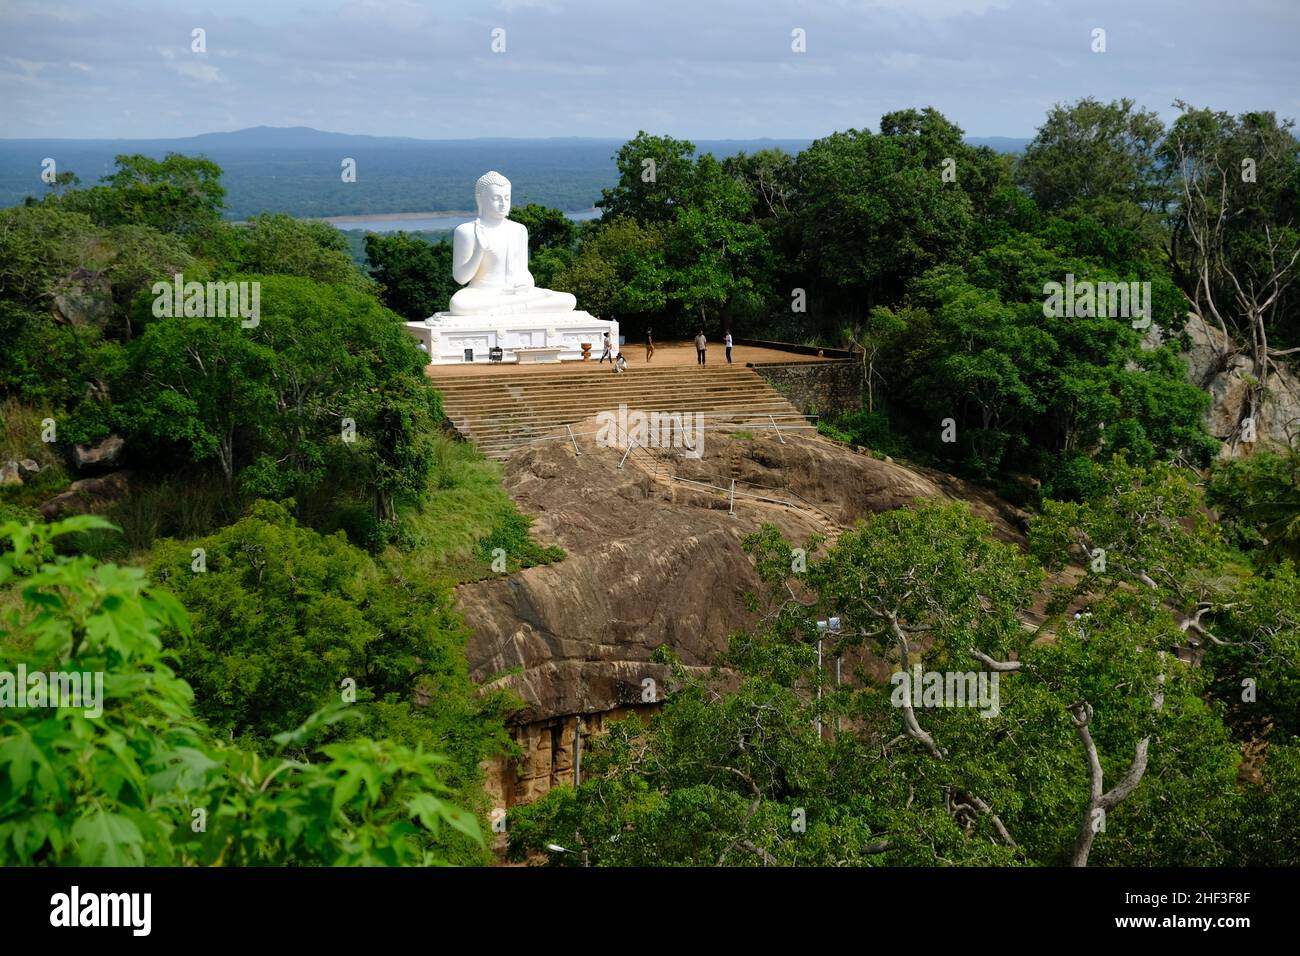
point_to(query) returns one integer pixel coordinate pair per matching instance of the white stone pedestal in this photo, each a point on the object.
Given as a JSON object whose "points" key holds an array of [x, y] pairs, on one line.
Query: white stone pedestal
{"points": [[446, 337]]}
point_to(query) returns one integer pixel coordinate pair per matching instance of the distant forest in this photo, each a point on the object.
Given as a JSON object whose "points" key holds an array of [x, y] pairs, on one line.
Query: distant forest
{"points": [[299, 171]]}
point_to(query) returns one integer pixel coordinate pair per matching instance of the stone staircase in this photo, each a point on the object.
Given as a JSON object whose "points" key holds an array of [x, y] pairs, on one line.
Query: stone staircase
{"points": [[503, 409]]}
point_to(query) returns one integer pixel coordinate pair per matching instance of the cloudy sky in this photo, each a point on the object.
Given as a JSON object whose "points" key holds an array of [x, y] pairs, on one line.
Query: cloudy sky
{"points": [[693, 68]]}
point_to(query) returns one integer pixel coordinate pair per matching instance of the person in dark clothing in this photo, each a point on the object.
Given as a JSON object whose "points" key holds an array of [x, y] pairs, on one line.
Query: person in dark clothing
{"points": [[701, 343], [649, 345]]}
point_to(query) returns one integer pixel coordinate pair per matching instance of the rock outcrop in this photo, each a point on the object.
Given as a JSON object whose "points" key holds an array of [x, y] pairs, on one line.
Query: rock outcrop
{"points": [[1212, 366], [655, 558], [656, 561], [104, 454], [87, 496], [84, 297]]}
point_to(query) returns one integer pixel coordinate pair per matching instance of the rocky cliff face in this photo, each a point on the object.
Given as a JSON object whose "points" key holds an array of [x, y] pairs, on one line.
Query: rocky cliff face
{"points": [[1228, 382], [654, 558]]}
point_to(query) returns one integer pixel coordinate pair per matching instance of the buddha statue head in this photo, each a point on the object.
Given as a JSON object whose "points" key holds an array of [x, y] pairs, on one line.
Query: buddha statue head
{"points": [[492, 196]]}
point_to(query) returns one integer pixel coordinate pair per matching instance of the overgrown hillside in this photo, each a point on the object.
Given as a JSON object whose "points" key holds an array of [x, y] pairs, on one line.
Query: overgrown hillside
{"points": [[282, 517], [283, 473]]}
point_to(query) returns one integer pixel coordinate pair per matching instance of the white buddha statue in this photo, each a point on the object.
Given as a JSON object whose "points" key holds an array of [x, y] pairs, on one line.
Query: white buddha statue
{"points": [[489, 257]]}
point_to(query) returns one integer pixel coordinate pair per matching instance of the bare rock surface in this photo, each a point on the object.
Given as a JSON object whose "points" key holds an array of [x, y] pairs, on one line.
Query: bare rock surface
{"points": [[1228, 377], [84, 297], [103, 454], [87, 496], [653, 561]]}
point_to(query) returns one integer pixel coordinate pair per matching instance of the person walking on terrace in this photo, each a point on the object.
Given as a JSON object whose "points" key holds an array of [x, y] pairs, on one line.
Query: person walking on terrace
{"points": [[727, 342], [701, 343], [649, 344], [609, 350]]}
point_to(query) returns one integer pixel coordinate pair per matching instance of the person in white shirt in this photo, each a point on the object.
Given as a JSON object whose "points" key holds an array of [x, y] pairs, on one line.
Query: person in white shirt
{"points": [[609, 350], [620, 364], [701, 343], [727, 342]]}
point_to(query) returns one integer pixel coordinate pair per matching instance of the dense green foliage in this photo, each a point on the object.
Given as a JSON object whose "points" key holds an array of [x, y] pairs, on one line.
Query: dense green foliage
{"points": [[292, 614], [135, 777], [271, 404], [796, 768], [290, 482], [414, 275]]}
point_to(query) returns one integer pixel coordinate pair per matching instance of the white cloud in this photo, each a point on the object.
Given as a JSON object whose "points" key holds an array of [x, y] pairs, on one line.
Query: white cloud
{"points": [[28, 67], [694, 68], [203, 72]]}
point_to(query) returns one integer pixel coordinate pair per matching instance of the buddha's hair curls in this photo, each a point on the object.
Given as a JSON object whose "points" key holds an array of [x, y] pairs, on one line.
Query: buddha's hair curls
{"points": [[492, 178]]}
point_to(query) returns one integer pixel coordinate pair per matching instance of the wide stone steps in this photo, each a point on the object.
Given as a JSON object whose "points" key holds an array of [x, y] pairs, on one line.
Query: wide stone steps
{"points": [[551, 383], [504, 410], [576, 400], [498, 433]]}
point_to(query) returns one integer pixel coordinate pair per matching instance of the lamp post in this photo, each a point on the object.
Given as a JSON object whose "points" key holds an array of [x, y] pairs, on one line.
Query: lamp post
{"points": [[829, 626]]}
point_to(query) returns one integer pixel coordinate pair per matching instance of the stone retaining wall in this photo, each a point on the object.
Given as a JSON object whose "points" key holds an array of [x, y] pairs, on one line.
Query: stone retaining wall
{"points": [[816, 388]]}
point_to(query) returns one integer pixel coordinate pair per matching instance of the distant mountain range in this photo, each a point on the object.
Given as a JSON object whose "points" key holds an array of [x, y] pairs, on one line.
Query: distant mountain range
{"points": [[297, 169]]}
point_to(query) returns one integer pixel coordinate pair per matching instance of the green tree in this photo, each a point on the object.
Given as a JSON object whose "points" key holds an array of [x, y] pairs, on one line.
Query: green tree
{"points": [[713, 252], [1099, 157], [271, 404], [547, 228], [283, 615], [656, 178], [619, 271], [769, 176], [176, 194], [1047, 389], [414, 276], [39, 247], [1235, 240], [130, 776], [871, 216], [63, 182], [276, 244], [194, 389], [1258, 501], [551, 237]]}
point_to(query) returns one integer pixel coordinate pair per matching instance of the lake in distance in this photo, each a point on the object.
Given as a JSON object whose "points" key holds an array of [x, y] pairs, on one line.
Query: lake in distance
{"points": [[423, 222]]}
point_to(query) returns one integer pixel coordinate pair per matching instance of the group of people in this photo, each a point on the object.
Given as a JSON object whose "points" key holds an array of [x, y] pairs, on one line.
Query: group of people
{"points": [[620, 364], [701, 348]]}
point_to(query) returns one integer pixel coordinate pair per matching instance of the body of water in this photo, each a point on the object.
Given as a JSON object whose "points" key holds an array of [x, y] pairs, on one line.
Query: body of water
{"points": [[432, 222]]}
